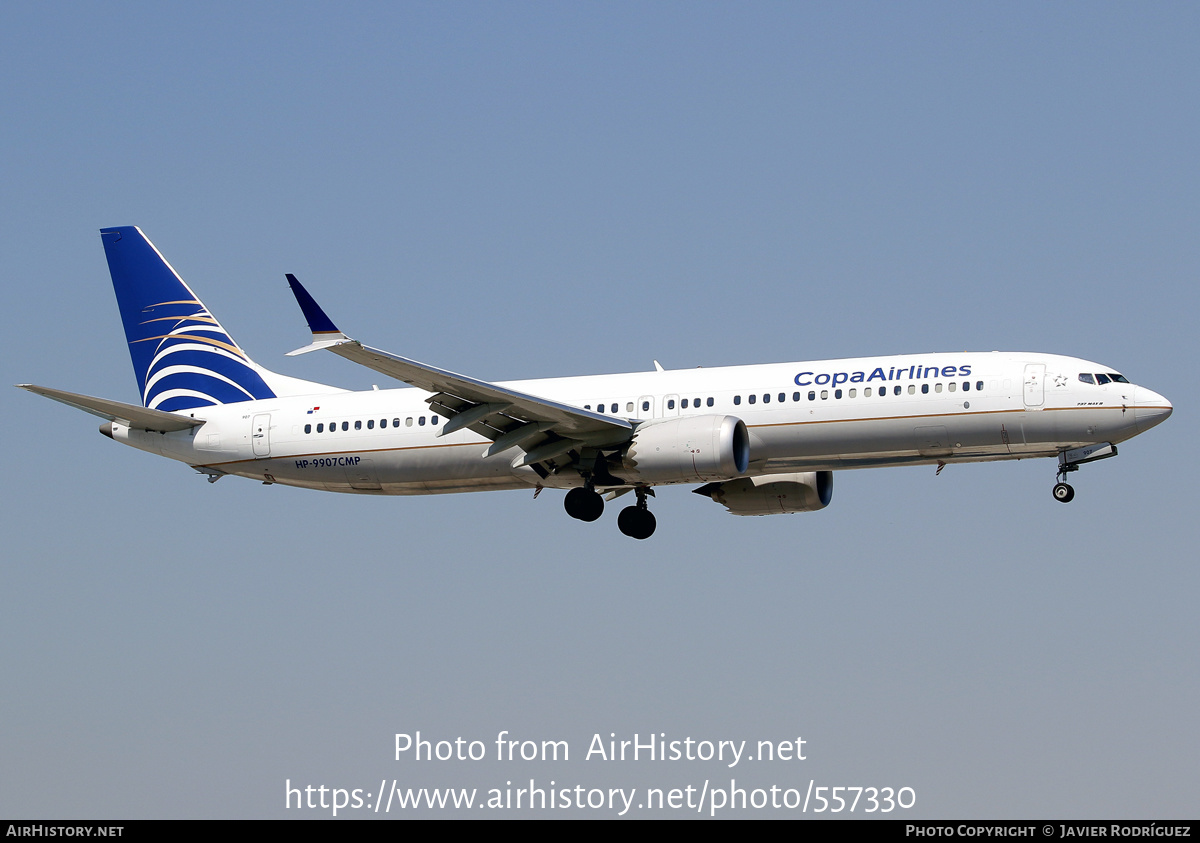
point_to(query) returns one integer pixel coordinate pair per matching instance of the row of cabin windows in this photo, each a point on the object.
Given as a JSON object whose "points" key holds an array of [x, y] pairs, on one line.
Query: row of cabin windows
{"points": [[685, 403], [853, 392], [370, 424]]}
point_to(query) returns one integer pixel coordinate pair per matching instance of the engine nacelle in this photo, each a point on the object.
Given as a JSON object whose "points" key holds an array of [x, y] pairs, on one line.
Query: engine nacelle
{"points": [[686, 450], [773, 494]]}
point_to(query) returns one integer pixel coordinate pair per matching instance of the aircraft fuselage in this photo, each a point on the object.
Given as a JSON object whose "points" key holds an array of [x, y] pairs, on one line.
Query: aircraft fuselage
{"points": [[810, 416]]}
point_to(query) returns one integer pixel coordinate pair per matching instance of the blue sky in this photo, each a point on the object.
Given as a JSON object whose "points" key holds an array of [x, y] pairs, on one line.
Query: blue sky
{"points": [[525, 190]]}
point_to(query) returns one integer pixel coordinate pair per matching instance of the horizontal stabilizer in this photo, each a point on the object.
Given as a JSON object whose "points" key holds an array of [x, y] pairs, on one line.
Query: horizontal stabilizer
{"points": [[132, 415]]}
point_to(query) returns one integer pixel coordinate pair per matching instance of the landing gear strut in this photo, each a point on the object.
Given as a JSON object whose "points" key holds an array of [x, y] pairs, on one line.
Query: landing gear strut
{"points": [[1070, 460], [637, 521], [1064, 492]]}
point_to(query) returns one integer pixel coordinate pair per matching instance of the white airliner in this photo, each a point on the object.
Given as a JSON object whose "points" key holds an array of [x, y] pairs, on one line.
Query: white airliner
{"points": [[760, 439]]}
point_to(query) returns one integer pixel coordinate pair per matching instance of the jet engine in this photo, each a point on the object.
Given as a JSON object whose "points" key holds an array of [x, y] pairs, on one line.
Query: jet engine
{"points": [[686, 450], [773, 494]]}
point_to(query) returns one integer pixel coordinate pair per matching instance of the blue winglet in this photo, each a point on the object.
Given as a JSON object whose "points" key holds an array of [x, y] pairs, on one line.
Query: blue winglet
{"points": [[324, 333], [318, 322]]}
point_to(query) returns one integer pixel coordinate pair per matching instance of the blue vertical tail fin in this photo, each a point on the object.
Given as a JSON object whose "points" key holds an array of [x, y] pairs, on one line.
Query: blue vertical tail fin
{"points": [[181, 355]]}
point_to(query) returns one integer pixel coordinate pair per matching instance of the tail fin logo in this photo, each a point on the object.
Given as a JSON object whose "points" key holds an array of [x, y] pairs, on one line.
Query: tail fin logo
{"points": [[182, 356], [195, 363]]}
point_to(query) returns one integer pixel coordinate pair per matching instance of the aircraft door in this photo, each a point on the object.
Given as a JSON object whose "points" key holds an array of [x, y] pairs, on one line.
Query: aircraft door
{"points": [[1035, 389], [260, 434], [670, 405]]}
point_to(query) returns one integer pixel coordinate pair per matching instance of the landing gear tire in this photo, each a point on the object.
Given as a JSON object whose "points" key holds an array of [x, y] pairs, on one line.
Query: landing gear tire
{"points": [[1063, 493], [636, 522], [584, 504]]}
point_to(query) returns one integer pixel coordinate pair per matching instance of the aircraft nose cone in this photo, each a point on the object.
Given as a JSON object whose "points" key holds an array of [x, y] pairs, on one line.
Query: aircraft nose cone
{"points": [[1150, 408]]}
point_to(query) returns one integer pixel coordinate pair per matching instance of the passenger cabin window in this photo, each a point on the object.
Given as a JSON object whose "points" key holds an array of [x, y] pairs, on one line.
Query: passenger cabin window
{"points": [[671, 404], [737, 399], [924, 389], [370, 424], [308, 428], [645, 406], [358, 425], [753, 398], [710, 402], [345, 425]]}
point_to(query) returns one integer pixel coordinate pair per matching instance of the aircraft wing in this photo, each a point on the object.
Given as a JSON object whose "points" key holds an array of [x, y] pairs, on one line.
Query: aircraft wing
{"points": [[506, 416], [132, 415]]}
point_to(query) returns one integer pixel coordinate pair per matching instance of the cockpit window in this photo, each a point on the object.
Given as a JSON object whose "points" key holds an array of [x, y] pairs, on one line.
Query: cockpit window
{"points": [[1103, 379], [1118, 378], [1086, 377]]}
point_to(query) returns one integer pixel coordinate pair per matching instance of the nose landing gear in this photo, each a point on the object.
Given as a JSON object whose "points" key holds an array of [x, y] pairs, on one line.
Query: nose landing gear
{"points": [[1070, 460]]}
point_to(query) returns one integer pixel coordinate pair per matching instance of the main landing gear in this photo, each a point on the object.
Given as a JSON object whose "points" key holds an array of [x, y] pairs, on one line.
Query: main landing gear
{"points": [[637, 521], [584, 504]]}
